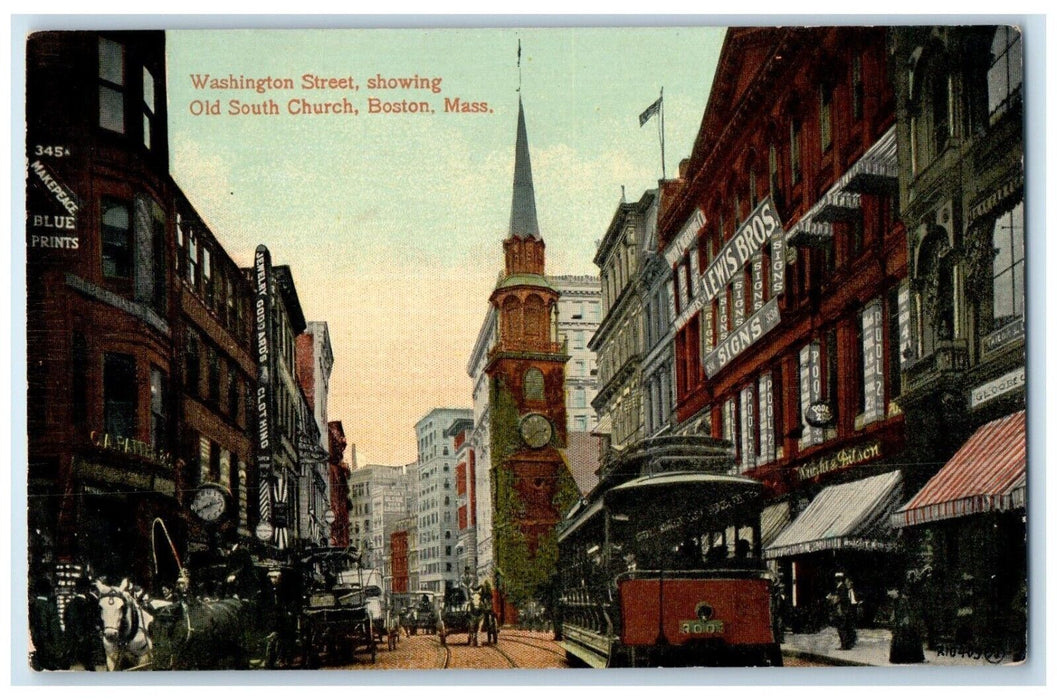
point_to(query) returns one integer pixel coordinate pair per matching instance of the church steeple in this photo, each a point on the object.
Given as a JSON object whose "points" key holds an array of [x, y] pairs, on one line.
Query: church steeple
{"points": [[523, 223]]}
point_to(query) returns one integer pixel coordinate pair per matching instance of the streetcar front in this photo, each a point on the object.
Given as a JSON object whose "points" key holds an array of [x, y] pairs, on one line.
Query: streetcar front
{"points": [[669, 572]]}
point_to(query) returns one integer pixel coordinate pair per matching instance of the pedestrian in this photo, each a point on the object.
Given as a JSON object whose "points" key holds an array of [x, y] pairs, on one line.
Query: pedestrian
{"points": [[45, 630], [84, 639], [844, 609], [906, 645]]}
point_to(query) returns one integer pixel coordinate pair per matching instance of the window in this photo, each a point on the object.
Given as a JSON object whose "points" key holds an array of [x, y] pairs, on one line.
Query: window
{"points": [[148, 107], [857, 87], [192, 258], [214, 374], [825, 116], [79, 385], [194, 365], [116, 239], [579, 398], [119, 395], [1007, 238], [111, 85], [794, 150], [578, 340], [207, 275], [233, 393], [581, 423], [1006, 73], [159, 423], [941, 112]]}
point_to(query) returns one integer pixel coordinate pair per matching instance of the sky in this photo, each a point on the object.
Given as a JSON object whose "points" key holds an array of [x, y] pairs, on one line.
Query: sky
{"points": [[392, 223]]}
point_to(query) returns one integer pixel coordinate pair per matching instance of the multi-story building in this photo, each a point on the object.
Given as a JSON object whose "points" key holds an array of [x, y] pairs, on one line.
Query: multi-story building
{"points": [[315, 360], [435, 498], [789, 268], [618, 341], [466, 501], [101, 302], [380, 497], [400, 556], [479, 442], [579, 313], [216, 378], [960, 141], [654, 284], [280, 408], [339, 485]]}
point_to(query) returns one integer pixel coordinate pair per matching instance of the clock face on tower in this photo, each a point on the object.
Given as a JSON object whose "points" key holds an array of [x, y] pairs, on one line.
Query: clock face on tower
{"points": [[210, 502], [536, 430]]}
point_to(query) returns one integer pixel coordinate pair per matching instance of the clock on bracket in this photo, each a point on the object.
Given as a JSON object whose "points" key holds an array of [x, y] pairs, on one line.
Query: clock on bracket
{"points": [[536, 430], [210, 502]]}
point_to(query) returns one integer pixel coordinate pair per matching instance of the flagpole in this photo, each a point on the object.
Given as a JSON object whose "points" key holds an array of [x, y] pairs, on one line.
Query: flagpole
{"points": [[663, 174]]}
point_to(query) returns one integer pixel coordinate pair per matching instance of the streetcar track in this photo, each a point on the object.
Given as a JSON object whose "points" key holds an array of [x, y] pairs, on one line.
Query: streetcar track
{"points": [[517, 640], [447, 653]]}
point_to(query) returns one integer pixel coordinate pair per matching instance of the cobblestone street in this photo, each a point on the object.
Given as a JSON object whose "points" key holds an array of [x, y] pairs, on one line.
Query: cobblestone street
{"points": [[516, 649]]}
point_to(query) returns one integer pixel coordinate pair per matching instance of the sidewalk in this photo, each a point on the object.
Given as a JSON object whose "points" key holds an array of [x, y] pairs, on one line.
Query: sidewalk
{"points": [[872, 650]]}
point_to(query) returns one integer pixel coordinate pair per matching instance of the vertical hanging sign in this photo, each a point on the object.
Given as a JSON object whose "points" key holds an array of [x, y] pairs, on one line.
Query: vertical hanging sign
{"points": [[906, 352], [767, 444], [262, 268], [810, 389], [748, 429], [873, 361]]}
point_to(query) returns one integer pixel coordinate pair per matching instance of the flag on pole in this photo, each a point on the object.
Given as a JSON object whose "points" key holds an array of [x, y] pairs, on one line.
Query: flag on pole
{"points": [[650, 111]]}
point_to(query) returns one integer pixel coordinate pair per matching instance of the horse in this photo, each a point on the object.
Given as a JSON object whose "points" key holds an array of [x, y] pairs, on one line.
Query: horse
{"points": [[201, 634], [126, 626]]}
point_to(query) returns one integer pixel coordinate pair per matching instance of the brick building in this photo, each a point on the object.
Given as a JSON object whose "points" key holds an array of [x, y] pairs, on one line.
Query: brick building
{"points": [[790, 301]]}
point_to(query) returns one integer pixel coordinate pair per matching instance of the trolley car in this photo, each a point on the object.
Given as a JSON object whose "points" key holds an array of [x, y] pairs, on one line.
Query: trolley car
{"points": [[661, 564]]}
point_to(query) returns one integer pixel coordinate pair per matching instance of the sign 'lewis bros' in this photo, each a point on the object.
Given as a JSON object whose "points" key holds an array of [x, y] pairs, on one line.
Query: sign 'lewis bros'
{"points": [[761, 229]]}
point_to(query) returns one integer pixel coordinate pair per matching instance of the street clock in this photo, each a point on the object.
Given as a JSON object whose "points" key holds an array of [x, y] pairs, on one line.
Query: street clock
{"points": [[210, 503]]}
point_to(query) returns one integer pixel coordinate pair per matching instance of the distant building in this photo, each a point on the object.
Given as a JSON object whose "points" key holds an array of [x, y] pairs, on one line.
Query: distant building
{"points": [[379, 496], [579, 313], [435, 498], [315, 360], [339, 485]]}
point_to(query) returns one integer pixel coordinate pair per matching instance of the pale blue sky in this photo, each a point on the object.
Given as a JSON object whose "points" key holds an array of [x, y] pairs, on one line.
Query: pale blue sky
{"points": [[392, 223]]}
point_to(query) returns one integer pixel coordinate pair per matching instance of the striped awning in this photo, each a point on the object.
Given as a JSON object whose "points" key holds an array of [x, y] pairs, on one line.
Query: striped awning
{"points": [[773, 520], [854, 516], [988, 473]]}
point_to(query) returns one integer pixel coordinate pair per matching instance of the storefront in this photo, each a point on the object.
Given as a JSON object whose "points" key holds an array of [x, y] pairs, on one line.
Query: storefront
{"points": [[845, 528], [968, 524]]}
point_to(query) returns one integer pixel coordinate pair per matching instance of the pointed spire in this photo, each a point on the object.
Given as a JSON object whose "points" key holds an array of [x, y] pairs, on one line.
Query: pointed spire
{"points": [[523, 223]]}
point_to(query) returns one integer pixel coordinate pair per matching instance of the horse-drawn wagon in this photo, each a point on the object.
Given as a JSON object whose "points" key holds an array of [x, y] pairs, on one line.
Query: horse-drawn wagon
{"points": [[421, 613], [336, 620], [466, 612]]}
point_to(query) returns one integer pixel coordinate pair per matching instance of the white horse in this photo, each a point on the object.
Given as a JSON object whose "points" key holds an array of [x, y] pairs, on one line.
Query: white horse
{"points": [[126, 627]]}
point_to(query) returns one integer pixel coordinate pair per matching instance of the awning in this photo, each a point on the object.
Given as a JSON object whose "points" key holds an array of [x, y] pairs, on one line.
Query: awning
{"points": [[604, 427], [854, 516], [988, 473], [773, 520]]}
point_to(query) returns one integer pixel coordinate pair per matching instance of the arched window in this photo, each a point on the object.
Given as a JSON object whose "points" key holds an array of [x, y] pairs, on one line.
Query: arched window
{"points": [[935, 312], [510, 322], [533, 384], [535, 316]]}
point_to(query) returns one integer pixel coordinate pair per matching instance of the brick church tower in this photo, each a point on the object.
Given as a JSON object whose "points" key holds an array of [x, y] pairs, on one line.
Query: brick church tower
{"points": [[531, 485]]}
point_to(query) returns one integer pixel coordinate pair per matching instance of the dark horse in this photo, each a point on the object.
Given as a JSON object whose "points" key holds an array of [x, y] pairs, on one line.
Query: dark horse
{"points": [[200, 634]]}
